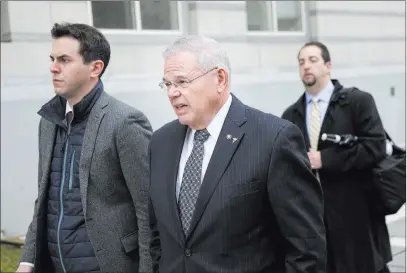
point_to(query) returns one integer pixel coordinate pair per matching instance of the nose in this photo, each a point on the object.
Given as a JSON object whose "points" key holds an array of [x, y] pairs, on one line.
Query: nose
{"points": [[306, 65], [54, 68], [173, 91]]}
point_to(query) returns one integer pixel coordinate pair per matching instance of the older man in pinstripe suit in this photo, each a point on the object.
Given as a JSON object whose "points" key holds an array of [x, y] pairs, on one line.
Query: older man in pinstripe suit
{"points": [[231, 187]]}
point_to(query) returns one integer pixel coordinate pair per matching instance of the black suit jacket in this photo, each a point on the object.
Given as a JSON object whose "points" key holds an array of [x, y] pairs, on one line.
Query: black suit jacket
{"points": [[258, 201]]}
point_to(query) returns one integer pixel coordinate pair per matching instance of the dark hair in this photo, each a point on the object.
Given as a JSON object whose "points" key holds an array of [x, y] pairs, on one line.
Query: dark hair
{"points": [[93, 44], [324, 50]]}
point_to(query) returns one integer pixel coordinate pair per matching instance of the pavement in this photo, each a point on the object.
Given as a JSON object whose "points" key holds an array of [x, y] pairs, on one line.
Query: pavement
{"points": [[396, 224]]}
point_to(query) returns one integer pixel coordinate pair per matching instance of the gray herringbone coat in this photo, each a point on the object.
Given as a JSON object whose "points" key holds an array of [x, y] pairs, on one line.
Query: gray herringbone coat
{"points": [[114, 177]]}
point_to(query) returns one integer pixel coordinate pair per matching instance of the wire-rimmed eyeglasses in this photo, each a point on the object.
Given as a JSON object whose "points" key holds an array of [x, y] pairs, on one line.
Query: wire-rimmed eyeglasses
{"points": [[181, 83]]}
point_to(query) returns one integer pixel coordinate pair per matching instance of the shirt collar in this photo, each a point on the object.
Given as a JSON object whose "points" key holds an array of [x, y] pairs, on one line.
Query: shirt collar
{"points": [[216, 124], [323, 95], [68, 108]]}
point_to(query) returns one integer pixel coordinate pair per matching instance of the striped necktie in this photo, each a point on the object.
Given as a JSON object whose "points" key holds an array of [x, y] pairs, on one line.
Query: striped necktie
{"points": [[315, 126]]}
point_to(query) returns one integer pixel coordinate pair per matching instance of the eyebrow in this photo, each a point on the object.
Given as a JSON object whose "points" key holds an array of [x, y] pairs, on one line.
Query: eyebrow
{"points": [[59, 57], [176, 78], [310, 57]]}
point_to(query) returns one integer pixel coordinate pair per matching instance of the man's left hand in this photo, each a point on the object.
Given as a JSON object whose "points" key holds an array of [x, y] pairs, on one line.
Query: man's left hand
{"points": [[315, 159]]}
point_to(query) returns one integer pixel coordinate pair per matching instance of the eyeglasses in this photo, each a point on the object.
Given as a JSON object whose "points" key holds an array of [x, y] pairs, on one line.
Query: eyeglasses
{"points": [[182, 83]]}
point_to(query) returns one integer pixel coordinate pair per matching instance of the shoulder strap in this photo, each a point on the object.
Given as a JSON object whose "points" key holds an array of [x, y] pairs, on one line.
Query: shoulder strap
{"points": [[349, 89], [346, 90]]}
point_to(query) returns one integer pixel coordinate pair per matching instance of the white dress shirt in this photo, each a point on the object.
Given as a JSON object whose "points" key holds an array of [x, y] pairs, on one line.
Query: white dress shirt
{"points": [[214, 129], [68, 108]]}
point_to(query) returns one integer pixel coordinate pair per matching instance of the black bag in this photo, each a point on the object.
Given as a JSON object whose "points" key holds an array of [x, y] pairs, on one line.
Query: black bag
{"points": [[389, 177]]}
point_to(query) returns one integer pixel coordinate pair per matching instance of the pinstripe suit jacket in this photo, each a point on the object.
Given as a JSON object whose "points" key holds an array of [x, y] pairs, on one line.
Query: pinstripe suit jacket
{"points": [[259, 209]]}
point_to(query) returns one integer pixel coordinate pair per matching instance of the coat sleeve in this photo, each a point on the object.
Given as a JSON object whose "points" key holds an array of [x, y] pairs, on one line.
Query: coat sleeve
{"points": [[371, 147], [155, 243], [132, 143], [297, 201], [28, 252]]}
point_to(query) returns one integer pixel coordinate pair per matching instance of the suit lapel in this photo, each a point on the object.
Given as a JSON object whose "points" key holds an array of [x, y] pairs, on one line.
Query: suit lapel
{"points": [[226, 145], [338, 99], [95, 118], [175, 150], [301, 123], [326, 123], [48, 133]]}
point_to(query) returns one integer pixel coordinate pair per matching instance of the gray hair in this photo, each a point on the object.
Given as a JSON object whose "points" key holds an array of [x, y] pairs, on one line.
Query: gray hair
{"points": [[208, 51]]}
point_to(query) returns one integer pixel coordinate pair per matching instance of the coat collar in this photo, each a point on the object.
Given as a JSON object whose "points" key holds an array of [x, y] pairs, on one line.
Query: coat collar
{"points": [[54, 110], [299, 105]]}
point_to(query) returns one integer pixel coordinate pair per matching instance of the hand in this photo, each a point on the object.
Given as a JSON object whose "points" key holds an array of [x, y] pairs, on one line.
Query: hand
{"points": [[24, 269], [315, 159]]}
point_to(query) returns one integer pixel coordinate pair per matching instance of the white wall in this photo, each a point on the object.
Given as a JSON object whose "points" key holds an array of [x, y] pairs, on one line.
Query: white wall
{"points": [[361, 32]]}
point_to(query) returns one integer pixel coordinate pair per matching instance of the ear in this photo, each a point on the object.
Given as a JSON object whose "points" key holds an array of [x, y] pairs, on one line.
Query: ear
{"points": [[96, 68], [329, 66], [222, 79]]}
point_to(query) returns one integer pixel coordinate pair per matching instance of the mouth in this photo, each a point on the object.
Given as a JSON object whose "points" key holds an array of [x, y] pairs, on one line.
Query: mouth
{"points": [[180, 106], [308, 77]]}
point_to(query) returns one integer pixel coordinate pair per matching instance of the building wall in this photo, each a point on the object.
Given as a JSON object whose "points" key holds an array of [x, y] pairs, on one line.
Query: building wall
{"points": [[361, 32], [366, 40], [380, 25], [227, 24], [368, 34]]}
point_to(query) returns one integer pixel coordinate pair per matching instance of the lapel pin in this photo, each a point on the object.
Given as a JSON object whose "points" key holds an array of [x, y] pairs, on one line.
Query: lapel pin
{"points": [[229, 137], [234, 139]]}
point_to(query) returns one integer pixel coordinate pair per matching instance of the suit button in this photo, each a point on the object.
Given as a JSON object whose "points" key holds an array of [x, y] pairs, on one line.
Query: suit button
{"points": [[188, 252]]}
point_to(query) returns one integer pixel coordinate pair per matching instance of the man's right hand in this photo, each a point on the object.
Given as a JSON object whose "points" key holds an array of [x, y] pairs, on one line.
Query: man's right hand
{"points": [[24, 269]]}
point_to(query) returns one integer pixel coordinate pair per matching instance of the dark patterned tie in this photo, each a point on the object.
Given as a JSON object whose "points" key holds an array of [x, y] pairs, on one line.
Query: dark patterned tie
{"points": [[191, 180]]}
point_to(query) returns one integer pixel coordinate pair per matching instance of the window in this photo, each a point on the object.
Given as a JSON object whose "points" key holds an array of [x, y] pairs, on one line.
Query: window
{"points": [[5, 26], [113, 15], [149, 15], [275, 16]]}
